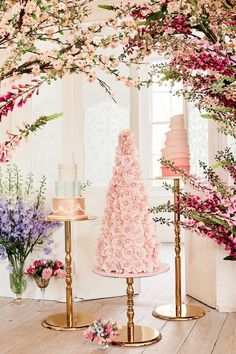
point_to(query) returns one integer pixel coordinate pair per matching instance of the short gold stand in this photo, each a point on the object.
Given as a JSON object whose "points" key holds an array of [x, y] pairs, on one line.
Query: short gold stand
{"points": [[68, 321], [131, 335], [179, 311]]}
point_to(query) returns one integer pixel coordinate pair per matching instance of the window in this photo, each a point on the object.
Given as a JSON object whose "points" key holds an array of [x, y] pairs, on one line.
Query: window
{"points": [[164, 104], [197, 138], [104, 119]]}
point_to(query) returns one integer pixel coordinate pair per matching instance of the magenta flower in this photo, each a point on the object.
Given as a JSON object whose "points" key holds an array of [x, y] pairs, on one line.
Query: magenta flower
{"points": [[212, 213]]}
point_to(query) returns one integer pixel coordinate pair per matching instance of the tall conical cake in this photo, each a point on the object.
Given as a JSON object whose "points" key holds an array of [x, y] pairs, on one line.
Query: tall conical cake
{"points": [[127, 243], [176, 148]]}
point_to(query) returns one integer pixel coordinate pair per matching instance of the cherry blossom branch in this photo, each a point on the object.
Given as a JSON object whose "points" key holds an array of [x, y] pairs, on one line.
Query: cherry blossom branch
{"points": [[19, 95], [13, 140]]}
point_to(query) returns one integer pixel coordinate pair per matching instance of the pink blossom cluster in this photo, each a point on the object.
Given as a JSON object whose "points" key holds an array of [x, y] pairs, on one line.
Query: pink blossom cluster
{"points": [[139, 11], [13, 140], [102, 331], [45, 269], [180, 24], [24, 27], [210, 209], [198, 39], [205, 61], [6, 147], [127, 242], [18, 94], [211, 215]]}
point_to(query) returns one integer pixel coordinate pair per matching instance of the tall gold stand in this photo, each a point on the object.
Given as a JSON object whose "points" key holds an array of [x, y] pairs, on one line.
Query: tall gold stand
{"points": [[131, 335], [178, 311], [68, 321]]}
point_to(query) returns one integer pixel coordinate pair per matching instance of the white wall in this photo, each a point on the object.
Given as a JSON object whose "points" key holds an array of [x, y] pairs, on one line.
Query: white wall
{"points": [[64, 140]]}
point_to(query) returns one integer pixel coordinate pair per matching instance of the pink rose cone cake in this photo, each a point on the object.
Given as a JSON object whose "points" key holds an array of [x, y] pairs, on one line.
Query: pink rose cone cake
{"points": [[127, 243]]}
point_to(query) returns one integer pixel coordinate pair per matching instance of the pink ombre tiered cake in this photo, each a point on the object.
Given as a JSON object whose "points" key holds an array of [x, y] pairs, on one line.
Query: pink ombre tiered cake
{"points": [[127, 243], [68, 203], [176, 148]]}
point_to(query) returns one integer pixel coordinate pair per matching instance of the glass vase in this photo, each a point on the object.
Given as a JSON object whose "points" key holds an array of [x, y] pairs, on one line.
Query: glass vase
{"points": [[42, 284], [103, 346], [18, 282]]}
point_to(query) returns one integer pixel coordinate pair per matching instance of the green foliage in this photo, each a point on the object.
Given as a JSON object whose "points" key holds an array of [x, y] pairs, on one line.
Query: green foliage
{"points": [[84, 186], [13, 185], [107, 7]]}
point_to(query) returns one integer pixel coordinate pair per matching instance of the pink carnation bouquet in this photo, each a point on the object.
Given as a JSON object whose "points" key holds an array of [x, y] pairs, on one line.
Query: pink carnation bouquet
{"points": [[46, 269], [102, 331]]}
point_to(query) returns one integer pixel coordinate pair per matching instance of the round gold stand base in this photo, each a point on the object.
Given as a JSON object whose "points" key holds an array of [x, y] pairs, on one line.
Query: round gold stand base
{"points": [[142, 336], [188, 312], [58, 321]]}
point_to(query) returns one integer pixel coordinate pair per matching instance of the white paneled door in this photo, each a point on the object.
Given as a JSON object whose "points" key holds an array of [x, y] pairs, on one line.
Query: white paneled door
{"points": [[200, 252]]}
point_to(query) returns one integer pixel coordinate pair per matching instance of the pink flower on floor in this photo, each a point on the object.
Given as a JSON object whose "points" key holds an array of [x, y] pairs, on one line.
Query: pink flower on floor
{"points": [[102, 331], [47, 273]]}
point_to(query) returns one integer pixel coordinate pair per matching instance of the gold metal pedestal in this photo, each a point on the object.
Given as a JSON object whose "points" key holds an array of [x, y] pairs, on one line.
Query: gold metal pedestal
{"points": [[178, 311], [184, 312], [131, 335], [68, 321], [142, 336], [59, 321]]}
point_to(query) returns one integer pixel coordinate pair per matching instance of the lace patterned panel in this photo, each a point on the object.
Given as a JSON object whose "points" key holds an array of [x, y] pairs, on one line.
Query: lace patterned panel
{"points": [[197, 138], [47, 143], [47, 150], [104, 119], [232, 145]]}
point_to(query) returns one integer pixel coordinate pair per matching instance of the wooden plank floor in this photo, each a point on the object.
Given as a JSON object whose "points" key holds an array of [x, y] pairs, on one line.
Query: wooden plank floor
{"points": [[21, 331]]}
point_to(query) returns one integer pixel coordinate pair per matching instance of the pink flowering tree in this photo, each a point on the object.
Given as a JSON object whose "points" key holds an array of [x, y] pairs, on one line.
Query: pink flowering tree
{"points": [[197, 38], [127, 242], [41, 41], [211, 211], [48, 39]]}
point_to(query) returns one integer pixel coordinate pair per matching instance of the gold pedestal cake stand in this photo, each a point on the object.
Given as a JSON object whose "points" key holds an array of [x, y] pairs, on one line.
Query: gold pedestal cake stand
{"points": [[69, 320], [177, 311], [132, 335]]}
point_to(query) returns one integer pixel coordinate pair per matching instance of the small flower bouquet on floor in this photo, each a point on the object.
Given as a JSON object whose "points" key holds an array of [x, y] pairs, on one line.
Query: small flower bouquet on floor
{"points": [[102, 332]]}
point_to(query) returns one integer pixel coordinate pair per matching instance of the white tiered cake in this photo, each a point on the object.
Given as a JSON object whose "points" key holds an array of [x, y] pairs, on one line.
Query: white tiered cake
{"points": [[68, 203]]}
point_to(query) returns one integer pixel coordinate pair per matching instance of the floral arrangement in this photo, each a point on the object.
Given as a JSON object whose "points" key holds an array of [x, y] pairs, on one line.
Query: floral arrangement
{"points": [[211, 212], [102, 331], [196, 37], [22, 225], [196, 40], [46, 268]]}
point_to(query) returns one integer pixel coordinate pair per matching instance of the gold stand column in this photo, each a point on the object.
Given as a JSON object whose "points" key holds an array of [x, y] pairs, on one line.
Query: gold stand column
{"points": [[68, 263], [131, 335], [179, 311], [67, 321]]}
